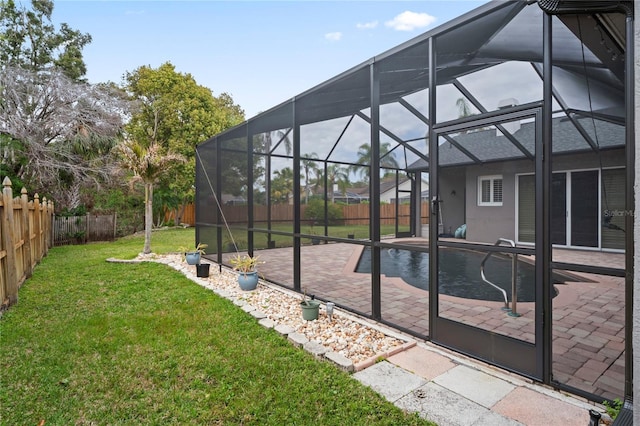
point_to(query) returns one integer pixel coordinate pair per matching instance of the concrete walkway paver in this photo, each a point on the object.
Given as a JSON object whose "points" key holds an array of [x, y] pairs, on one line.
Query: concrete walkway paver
{"points": [[389, 380], [443, 406], [452, 390], [534, 408], [475, 385]]}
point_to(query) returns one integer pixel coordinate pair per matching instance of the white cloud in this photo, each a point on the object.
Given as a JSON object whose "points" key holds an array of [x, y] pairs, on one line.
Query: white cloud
{"points": [[333, 36], [409, 21], [367, 25]]}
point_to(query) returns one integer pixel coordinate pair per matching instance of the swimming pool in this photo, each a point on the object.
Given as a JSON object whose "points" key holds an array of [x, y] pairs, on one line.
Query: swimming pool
{"points": [[459, 273]]}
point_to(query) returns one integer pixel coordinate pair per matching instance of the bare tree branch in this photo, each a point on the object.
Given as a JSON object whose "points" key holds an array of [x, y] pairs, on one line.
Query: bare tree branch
{"points": [[64, 129]]}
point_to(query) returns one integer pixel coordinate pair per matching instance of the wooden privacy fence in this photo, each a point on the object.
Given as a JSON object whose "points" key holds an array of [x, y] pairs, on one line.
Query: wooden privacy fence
{"points": [[353, 214], [25, 238], [82, 229], [358, 214], [188, 215]]}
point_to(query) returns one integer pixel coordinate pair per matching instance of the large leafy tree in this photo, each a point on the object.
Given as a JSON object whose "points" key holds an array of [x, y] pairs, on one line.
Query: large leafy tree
{"points": [[175, 113], [30, 41]]}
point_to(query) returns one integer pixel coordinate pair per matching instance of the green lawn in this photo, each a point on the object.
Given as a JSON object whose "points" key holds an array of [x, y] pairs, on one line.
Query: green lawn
{"points": [[92, 342]]}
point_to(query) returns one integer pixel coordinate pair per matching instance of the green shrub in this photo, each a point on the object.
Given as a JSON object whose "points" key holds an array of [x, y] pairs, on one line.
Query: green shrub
{"points": [[315, 212], [129, 207], [613, 408]]}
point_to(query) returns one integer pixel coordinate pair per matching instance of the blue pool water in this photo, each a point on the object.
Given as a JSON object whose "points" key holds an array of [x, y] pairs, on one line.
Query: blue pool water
{"points": [[459, 273]]}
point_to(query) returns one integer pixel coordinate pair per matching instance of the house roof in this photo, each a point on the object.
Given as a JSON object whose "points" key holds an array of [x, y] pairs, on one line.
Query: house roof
{"points": [[387, 185], [490, 144], [232, 199]]}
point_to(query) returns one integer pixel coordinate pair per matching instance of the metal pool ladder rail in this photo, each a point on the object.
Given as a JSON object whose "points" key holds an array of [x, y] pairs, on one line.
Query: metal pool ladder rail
{"points": [[514, 274]]}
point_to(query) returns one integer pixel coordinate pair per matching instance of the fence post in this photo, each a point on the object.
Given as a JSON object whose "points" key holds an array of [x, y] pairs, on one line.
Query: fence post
{"points": [[37, 228], [87, 228], [49, 224], [9, 243], [26, 234]]}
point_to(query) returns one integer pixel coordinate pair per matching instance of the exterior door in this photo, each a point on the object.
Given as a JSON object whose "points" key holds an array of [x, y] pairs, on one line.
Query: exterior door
{"points": [[486, 289], [575, 211]]}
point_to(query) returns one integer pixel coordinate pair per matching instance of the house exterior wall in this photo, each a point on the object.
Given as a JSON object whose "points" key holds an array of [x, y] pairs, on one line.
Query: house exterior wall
{"points": [[390, 195], [452, 193], [387, 196], [488, 223]]}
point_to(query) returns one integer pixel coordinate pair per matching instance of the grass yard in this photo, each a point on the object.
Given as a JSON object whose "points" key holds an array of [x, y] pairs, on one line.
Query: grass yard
{"points": [[92, 342]]}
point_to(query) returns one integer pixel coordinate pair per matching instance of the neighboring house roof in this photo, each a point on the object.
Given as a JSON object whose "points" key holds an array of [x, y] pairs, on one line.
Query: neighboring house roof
{"points": [[491, 145], [232, 199], [361, 192]]}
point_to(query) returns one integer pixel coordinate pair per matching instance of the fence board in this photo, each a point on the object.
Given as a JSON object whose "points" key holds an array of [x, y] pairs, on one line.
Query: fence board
{"points": [[353, 214], [83, 229], [25, 230], [188, 215]]}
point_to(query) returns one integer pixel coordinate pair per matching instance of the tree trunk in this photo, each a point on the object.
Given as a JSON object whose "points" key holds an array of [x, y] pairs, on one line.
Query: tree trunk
{"points": [[180, 213], [148, 216]]}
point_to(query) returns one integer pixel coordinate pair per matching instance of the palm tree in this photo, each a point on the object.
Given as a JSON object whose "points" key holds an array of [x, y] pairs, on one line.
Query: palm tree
{"points": [[308, 165], [463, 108], [282, 184], [318, 182], [266, 140], [147, 165], [387, 159], [337, 174]]}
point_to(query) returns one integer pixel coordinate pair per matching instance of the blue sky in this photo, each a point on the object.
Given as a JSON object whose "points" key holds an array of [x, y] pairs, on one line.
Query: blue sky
{"points": [[262, 53]]}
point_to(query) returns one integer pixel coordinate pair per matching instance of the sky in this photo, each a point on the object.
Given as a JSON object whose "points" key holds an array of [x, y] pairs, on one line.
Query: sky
{"points": [[261, 53]]}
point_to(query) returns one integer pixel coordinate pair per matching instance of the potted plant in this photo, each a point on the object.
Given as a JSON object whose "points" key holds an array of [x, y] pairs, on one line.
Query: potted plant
{"points": [[247, 270], [315, 241], [270, 243], [229, 244], [310, 307], [193, 256]]}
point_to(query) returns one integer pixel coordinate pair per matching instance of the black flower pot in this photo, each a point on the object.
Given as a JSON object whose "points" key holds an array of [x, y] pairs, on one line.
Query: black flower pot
{"points": [[202, 270]]}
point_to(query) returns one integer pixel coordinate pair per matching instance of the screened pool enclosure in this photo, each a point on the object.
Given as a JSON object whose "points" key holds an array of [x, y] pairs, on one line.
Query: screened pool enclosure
{"points": [[501, 136]]}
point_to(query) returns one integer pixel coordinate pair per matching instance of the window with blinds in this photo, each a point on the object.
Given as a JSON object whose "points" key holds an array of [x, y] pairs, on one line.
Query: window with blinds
{"points": [[490, 190]]}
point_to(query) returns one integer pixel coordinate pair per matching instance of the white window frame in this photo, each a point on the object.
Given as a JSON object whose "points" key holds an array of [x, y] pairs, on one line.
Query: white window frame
{"points": [[491, 179]]}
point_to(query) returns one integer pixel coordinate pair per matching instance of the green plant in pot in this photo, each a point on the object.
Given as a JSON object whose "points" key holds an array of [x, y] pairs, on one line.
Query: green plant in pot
{"points": [[310, 307], [192, 256], [247, 267], [314, 240]]}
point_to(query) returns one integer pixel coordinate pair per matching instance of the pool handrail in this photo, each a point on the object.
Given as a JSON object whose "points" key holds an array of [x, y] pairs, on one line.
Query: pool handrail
{"points": [[513, 274]]}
